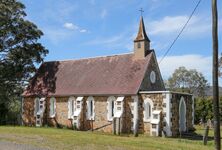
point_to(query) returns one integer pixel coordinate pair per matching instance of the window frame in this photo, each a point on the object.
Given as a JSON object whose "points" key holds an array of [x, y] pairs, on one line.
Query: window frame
{"points": [[52, 112], [37, 101], [111, 108], [90, 102], [71, 106], [147, 110]]}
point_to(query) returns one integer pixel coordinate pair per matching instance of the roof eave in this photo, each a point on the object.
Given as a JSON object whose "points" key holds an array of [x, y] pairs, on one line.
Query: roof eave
{"points": [[67, 95]]}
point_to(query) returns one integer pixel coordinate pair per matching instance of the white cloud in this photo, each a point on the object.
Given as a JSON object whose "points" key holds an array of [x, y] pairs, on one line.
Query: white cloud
{"points": [[201, 63], [70, 26], [83, 30], [167, 25], [110, 40], [157, 4], [159, 45], [56, 35], [173, 24], [103, 13], [113, 42], [58, 11]]}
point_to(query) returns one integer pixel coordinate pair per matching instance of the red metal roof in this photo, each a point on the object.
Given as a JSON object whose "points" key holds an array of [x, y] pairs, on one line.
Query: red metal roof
{"points": [[111, 75]]}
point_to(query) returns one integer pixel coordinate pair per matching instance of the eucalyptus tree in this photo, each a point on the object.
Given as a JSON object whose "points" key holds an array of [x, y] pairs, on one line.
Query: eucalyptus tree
{"points": [[19, 51]]}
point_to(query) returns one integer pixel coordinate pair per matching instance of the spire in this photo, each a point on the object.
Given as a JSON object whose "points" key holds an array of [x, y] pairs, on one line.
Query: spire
{"points": [[142, 42], [141, 36]]}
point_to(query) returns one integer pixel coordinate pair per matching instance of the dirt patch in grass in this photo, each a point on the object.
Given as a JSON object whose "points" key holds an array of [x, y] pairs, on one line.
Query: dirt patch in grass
{"points": [[6, 145]]}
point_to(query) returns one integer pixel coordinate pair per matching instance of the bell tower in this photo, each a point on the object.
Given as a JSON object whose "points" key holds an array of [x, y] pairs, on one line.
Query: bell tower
{"points": [[142, 42]]}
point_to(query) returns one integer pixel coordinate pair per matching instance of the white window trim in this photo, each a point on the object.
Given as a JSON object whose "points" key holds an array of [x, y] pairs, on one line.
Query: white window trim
{"points": [[78, 102], [52, 114], [182, 100], [118, 113], [147, 100], [109, 107], [70, 105], [135, 105], [88, 105], [168, 112], [35, 109]]}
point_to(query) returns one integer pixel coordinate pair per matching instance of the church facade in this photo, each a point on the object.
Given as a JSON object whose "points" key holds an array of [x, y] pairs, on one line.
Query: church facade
{"points": [[116, 94]]}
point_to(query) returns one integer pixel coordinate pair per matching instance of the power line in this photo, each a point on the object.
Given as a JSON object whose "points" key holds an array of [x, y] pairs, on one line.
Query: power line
{"points": [[185, 25]]}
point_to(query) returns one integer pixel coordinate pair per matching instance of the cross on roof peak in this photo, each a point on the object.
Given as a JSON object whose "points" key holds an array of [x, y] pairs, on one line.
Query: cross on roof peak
{"points": [[141, 11]]}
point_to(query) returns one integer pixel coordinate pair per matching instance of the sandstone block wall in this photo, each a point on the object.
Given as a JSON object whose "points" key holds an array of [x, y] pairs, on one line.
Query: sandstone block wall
{"points": [[157, 105], [175, 112], [127, 115], [100, 122], [28, 111]]}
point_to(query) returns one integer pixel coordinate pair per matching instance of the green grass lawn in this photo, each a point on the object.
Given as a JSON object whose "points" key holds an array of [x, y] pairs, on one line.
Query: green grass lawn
{"points": [[69, 139], [201, 130]]}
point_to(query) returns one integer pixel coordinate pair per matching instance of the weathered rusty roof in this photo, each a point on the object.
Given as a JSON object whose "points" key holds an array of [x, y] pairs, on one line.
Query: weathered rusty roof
{"points": [[111, 75], [141, 35]]}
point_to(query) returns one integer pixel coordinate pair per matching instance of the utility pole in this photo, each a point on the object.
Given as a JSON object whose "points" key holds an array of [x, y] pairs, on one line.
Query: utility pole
{"points": [[215, 76]]}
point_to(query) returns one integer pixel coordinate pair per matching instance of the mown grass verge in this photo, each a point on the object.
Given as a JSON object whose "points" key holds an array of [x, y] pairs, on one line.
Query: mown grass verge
{"points": [[53, 138]]}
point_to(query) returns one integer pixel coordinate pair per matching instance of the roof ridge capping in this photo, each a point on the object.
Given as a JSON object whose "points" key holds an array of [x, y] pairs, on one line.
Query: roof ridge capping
{"points": [[91, 57]]}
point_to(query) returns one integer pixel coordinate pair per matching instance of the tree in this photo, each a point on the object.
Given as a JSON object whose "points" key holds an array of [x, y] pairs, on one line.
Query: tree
{"points": [[19, 51], [190, 81], [204, 109]]}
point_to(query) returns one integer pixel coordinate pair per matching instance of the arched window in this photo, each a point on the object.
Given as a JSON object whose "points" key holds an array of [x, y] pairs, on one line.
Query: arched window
{"points": [[111, 107], [90, 108], [148, 111], [71, 106], [148, 106], [52, 107], [36, 109]]}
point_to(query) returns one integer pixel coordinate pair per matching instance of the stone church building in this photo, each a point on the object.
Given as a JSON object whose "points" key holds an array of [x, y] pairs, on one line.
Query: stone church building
{"points": [[116, 94]]}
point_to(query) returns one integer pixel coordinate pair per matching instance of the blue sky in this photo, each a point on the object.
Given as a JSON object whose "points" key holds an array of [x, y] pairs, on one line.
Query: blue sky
{"points": [[87, 28]]}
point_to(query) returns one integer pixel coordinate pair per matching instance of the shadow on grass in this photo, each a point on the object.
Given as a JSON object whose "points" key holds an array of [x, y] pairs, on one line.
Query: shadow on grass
{"points": [[195, 136]]}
